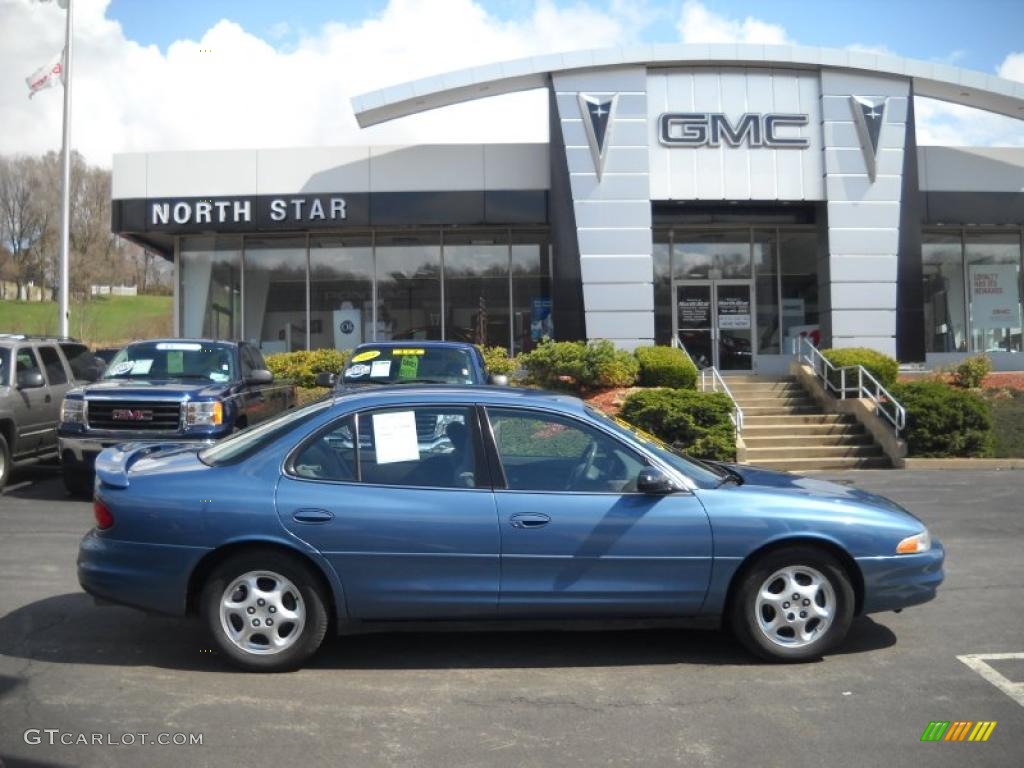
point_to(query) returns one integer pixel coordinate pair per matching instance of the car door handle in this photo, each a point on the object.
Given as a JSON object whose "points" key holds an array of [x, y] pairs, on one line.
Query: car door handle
{"points": [[312, 516], [529, 520]]}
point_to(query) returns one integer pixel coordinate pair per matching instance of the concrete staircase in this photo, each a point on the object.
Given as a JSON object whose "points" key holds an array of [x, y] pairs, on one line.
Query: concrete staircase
{"points": [[784, 428]]}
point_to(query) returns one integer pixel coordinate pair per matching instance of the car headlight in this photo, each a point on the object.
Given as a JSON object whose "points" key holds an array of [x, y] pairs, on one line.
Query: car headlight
{"points": [[204, 414], [74, 411], [920, 542]]}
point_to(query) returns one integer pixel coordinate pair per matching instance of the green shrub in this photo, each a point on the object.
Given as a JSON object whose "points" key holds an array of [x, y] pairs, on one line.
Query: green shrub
{"points": [[576, 365], [665, 367], [944, 421], [972, 371], [882, 367], [302, 367], [1007, 422], [696, 422], [497, 361]]}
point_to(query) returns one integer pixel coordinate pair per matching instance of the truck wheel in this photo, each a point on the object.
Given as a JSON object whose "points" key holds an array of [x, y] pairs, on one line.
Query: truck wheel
{"points": [[5, 461], [78, 482]]}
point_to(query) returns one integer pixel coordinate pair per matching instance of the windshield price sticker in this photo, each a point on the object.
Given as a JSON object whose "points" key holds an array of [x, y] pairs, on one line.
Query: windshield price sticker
{"points": [[177, 346], [394, 437], [401, 352], [409, 368], [362, 357], [355, 371], [380, 368]]}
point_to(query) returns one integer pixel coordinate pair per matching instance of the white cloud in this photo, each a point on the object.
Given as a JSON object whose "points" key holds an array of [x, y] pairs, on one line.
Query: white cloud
{"points": [[698, 24]]}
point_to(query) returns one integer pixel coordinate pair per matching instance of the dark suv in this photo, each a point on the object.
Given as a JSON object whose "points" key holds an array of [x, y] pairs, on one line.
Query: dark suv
{"points": [[35, 372]]}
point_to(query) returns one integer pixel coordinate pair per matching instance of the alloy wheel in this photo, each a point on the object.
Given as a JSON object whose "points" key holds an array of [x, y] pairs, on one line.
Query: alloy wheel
{"points": [[262, 613], [795, 606]]}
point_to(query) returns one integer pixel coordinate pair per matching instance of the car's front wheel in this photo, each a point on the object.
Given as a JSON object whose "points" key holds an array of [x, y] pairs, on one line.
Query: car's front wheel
{"points": [[793, 604], [266, 610]]}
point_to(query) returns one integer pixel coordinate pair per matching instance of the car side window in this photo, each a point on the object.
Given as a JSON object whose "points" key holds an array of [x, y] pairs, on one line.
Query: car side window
{"points": [[55, 373], [424, 445], [331, 455], [547, 452], [245, 356], [257, 358], [83, 363], [26, 361]]}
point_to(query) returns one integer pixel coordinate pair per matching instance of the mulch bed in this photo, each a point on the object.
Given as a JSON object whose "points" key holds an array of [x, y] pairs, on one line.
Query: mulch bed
{"points": [[609, 401], [995, 380]]}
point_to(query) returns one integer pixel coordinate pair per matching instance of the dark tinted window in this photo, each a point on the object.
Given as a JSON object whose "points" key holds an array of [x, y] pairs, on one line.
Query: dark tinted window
{"points": [[5, 366], [425, 445], [83, 363], [54, 367], [545, 452], [245, 355], [330, 456], [27, 361]]}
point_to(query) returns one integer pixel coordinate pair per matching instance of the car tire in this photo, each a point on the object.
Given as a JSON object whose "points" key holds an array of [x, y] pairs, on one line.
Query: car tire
{"points": [[78, 483], [240, 623], [5, 462], [792, 605]]}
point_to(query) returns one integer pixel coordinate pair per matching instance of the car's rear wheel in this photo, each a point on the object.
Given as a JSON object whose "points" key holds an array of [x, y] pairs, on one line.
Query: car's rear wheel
{"points": [[793, 604], [266, 610]]}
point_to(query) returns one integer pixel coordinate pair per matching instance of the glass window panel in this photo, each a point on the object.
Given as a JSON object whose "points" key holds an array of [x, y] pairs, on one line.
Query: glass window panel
{"points": [[798, 262], [711, 254], [532, 320], [767, 288], [476, 288], [54, 367], [662, 289], [945, 325], [340, 291], [993, 283], [330, 456], [275, 293], [408, 286], [211, 287]]}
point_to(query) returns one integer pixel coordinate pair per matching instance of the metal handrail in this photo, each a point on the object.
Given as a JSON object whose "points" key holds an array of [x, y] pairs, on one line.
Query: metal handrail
{"points": [[867, 385], [716, 381]]}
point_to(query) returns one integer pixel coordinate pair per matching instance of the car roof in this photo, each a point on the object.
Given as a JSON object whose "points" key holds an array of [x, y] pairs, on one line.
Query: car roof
{"points": [[180, 341], [481, 394], [413, 343]]}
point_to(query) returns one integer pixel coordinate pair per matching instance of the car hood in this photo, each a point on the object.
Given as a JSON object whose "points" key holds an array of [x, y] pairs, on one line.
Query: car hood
{"points": [[173, 389], [770, 481]]}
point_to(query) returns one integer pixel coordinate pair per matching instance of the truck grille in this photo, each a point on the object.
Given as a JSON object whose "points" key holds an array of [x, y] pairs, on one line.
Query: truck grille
{"points": [[134, 416]]}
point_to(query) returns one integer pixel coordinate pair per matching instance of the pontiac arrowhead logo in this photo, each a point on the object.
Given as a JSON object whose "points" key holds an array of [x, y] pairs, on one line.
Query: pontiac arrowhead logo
{"points": [[868, 115], [597, 113]]}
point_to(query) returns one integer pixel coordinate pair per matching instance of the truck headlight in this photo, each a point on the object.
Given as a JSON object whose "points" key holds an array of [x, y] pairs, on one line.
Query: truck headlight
{"points": [[912, 545], [74, 411], [204, 414]]}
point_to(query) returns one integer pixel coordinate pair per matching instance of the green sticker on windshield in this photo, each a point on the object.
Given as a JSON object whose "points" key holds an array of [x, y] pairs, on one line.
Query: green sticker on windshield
{"points": [[175, 362], [410, 365]]}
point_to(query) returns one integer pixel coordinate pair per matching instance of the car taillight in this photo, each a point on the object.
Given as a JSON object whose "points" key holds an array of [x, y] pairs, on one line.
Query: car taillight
{"points": [[103, 517]]}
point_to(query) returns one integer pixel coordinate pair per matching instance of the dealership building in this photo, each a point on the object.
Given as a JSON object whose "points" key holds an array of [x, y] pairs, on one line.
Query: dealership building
{"points": [[738, 197]]}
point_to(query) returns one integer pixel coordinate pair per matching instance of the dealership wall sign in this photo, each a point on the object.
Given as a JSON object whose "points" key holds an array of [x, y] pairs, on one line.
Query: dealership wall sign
{"points": [[291, 209], [712, 129]]}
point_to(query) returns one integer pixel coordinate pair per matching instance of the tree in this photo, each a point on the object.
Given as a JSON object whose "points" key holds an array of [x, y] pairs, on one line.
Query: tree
{"points": [[24, 219]]}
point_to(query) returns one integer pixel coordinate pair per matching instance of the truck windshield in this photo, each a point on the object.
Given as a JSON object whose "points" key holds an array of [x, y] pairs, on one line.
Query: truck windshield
{"points": [[412, 364], [173, 360]]}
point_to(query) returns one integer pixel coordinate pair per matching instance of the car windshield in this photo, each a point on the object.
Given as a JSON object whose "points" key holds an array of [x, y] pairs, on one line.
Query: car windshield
{"points": [[173, 360], [704, 474], [243, 444], [407, 365]]}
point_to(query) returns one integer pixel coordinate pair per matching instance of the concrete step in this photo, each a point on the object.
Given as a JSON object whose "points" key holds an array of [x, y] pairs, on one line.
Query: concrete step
{"points": [[812, 452], [768, 386], [774, 402], [780, 410], [838, 462], [749, 378], [839, 429], [790, 440], [791, 420]]}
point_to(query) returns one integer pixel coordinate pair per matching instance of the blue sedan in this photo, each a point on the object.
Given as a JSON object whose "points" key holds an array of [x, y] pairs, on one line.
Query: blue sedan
{"points": [[455, 503]]}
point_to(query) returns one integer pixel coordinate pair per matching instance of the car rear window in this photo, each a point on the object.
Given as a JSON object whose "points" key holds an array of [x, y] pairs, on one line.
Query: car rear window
{"points": [[409, 364], [82, 361], [241, 445]]}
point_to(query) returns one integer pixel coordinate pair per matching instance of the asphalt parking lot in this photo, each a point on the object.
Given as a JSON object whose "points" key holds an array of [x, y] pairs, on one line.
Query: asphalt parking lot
{"points": [[641, 697]]}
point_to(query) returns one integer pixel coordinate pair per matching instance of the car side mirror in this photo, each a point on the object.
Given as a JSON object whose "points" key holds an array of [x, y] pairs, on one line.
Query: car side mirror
{"points": [[30, 380], [259, 376], [326, 379], [499, 379], [653, 481]]}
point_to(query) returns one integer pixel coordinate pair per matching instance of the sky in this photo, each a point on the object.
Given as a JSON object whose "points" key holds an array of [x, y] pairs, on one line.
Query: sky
{"points": [[216, 74]]}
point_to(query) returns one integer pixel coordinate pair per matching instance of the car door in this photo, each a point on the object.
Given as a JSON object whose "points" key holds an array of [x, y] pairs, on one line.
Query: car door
{"points": [[57, 384], [576, 538], [31, 411], [409, 523]]}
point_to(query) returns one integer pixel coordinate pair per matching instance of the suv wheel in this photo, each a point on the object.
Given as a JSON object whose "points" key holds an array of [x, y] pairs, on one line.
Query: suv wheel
{"points": [[266, 610], [5, 461], [794, 604]]}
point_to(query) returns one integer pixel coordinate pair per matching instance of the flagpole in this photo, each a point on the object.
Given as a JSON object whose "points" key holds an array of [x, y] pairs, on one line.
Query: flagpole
{"points": [[65, 213]]}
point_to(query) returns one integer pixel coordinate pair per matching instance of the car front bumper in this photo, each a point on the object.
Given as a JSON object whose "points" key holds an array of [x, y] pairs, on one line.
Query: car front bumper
{"points": [[900, 581], [153, 577]]}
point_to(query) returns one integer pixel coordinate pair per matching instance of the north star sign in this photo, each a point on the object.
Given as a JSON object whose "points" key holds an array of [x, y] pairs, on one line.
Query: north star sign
{"points": [[296, 210], [712, 129]]}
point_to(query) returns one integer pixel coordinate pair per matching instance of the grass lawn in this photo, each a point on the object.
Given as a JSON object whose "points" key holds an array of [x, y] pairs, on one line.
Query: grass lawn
{"points": [[103, 321]]}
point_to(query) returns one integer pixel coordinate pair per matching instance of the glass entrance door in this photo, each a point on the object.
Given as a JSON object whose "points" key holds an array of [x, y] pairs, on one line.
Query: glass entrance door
{"points": [[714, 321]]}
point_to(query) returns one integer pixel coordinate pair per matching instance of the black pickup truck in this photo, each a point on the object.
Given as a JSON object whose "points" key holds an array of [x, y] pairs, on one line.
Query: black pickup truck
{"points": [[188, 390]]}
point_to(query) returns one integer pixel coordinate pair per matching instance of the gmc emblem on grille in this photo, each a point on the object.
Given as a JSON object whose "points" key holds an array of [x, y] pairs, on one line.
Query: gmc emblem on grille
{"points": [[131, 414]]}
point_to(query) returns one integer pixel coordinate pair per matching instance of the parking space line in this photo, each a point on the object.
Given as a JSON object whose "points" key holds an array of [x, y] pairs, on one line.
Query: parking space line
{"points": [[977, 662]]}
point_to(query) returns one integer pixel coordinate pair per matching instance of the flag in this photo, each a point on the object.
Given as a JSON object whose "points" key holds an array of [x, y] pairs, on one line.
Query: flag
{"points": [[46, 77]]}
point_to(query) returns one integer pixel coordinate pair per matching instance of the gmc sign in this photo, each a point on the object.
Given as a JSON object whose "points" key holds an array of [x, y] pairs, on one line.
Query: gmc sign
{"points": [[711, 129]]}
